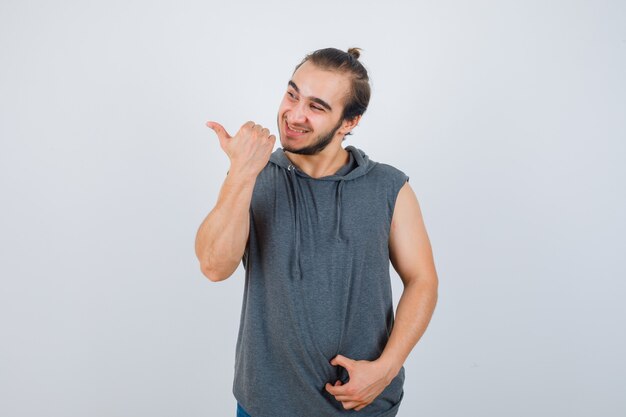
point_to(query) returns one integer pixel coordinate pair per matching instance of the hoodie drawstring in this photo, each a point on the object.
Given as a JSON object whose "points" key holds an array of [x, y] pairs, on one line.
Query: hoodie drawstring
{"points": [[339, 188], [296, 259]]}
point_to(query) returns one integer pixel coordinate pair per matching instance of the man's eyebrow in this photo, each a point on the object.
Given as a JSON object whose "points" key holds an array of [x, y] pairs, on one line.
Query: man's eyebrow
{"points": [[314, 99]]}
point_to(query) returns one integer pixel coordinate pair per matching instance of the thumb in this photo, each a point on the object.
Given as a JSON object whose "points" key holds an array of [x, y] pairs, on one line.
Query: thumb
{"points": [[342, 361], [219, 130]]}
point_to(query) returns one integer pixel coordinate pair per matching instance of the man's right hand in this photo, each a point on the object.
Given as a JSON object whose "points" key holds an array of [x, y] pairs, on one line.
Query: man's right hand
{"points": [[249, 150]]}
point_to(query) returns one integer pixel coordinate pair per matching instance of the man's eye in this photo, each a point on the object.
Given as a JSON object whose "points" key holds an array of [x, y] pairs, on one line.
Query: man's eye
{"points": [[292, 95], [317, 108]]}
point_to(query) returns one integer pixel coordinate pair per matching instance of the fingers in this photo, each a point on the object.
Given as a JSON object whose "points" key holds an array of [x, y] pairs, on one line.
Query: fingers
{"points": [[350, 404], [250, 127], [338, 383], [337, 389], [258, 131], [330, 388], [219, 130], [342, 361]]}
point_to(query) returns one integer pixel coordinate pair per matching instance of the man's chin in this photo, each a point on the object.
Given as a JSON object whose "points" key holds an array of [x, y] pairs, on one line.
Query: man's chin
{"points": [[288, 148], [287, 144]]}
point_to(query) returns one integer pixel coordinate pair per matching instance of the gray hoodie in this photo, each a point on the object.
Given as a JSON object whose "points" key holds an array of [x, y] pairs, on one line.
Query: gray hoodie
{"points": [[317, 284]]}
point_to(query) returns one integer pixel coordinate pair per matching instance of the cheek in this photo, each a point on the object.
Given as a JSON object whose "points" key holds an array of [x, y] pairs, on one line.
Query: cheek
{"points": [[284, 106]]}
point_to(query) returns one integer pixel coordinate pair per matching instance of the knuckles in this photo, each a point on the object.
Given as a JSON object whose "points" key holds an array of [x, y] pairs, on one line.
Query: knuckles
{"points": [[254, 133], [251, 130]]}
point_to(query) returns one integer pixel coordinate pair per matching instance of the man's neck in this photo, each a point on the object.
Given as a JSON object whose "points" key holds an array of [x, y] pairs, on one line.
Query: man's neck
{"points": [[323, 164]]}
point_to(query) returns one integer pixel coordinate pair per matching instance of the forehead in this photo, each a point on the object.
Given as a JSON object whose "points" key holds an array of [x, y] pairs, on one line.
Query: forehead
{"points": [[330, 86]]}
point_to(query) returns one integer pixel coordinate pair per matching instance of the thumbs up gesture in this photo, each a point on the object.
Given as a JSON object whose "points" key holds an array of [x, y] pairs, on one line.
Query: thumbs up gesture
{"points": [[249, 150]]}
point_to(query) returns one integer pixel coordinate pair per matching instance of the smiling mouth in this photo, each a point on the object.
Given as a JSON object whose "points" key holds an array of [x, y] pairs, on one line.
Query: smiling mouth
{"points": [[292, 131]]}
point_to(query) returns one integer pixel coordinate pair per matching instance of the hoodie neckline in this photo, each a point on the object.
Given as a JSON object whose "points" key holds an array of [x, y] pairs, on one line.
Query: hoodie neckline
{"points": [[358, 165]]}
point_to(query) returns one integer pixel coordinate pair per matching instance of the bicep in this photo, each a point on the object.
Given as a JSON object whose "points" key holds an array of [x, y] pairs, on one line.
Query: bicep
{"points": [[409, 246]]}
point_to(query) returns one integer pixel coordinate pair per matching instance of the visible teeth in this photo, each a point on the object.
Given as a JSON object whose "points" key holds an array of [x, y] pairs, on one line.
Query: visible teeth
{"points": [[297, 130]]}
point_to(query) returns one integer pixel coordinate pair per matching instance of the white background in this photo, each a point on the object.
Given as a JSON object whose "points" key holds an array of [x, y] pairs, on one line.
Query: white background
{"points": [[509, 117]]}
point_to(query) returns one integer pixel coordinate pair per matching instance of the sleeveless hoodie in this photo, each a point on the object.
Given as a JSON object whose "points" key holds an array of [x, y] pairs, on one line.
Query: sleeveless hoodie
{"points": [[317, 284]]}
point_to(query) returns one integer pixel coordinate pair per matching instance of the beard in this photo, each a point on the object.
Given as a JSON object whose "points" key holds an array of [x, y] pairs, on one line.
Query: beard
{"points": [[319, 143]]}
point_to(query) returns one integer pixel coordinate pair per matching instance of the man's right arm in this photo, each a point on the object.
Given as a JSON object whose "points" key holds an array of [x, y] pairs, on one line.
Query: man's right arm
{"points": [[222, 237]]}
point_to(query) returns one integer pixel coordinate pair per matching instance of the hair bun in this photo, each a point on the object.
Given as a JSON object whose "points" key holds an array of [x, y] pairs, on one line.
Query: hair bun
{"points": [[355, 52]]}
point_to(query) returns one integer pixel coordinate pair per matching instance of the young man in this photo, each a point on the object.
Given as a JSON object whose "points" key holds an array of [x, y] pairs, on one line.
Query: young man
{"points": [[316, 225]]}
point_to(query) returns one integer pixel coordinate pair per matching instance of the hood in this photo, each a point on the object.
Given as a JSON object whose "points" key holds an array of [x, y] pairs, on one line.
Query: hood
{"points": [[359, 165]]}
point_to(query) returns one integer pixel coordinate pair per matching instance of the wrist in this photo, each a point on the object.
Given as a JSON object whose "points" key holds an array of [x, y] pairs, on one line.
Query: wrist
{"points": [[391, 367], [242, 174]]}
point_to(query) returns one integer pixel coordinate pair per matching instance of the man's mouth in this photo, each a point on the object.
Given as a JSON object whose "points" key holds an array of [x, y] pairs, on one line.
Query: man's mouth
{"points": [[294, 131]]}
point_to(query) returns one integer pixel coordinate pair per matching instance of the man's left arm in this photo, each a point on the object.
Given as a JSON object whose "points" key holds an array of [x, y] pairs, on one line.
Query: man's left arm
{"points": [[411, 256]]}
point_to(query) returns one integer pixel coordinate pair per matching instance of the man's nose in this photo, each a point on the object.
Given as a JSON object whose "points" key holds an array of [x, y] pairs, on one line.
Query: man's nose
{"points": [[298, 113]]}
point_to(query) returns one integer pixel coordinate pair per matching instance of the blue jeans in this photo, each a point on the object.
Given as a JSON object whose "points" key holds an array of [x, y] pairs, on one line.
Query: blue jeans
{"points": [[241, 412]]}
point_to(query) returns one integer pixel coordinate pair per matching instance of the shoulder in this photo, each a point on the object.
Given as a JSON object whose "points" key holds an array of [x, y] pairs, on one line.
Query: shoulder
{"points": [[271, 178], [391, 176], [387, 170]]}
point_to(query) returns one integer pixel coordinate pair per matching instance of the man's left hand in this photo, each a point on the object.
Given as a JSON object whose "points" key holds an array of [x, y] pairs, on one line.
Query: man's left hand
{"points": [[367, 380]]}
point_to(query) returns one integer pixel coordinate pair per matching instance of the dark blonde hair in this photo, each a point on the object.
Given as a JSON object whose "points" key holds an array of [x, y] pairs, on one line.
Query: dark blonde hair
{"points": [[346, 62]]}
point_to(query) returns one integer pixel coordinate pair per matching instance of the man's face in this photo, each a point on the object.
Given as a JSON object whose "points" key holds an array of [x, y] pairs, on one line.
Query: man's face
{"points": [[309, 117]]}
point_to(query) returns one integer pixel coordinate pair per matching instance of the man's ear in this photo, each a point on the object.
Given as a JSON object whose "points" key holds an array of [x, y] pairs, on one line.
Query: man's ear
{"points": [[350, 124]]}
